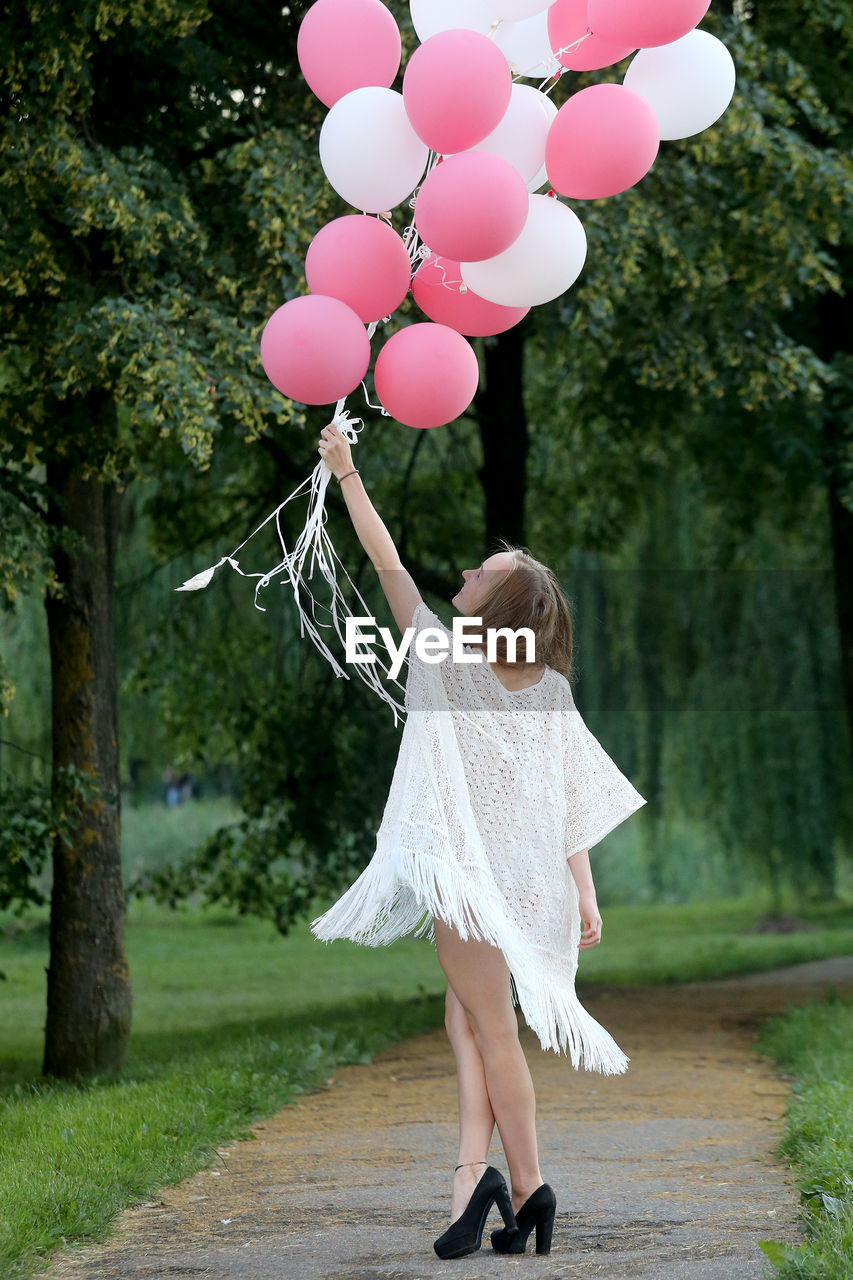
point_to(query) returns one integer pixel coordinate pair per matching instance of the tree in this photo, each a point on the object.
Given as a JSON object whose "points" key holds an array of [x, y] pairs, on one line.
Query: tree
{"points": [[686, 344], [712, 322], [159, 232], [133, 333]]}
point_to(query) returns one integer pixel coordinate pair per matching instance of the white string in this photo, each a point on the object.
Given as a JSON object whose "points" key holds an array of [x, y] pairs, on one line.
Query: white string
{"points": [[454, 286], [556, 76], [315, 543], [370, 405], [415, 248]]}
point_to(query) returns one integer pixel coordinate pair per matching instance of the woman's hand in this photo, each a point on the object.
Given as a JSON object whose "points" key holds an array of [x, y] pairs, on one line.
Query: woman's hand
{"points": [[590, 919], [335, 451]]}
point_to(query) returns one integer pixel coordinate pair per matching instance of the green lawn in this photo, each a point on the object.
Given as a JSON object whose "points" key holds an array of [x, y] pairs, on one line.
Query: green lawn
{"points": [[814, 1044], [200, 971], [155, 836], [696, 941], [232, 1021]]}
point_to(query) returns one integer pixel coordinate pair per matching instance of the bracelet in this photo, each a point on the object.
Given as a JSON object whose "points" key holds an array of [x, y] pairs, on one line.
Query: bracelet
{"points": [[354, 472]]}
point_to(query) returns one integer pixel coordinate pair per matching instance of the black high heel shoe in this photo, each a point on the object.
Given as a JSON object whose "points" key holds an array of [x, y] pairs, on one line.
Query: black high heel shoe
{"points": [[537, 1211], [465, 1235]]}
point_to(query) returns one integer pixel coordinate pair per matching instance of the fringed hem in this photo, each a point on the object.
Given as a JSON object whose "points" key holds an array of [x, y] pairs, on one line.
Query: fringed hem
{"points": [[378, 908], [561, 1023]]}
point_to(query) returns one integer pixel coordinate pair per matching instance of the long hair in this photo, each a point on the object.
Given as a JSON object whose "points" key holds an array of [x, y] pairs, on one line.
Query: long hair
{"points": [[530, 595]]}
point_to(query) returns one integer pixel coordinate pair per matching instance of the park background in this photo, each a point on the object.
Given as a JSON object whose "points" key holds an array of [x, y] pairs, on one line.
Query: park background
{"points": [[673, 437]]}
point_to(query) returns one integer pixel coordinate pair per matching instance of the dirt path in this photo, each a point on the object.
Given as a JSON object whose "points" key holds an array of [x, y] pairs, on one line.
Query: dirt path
{"points": [[665, 1172]]}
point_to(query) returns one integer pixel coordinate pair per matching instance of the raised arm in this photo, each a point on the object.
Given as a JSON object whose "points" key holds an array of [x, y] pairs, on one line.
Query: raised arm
{"points": [[397, 583]]}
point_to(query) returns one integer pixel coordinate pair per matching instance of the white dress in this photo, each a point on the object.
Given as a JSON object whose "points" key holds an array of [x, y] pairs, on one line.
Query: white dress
{"points": [[492, 792]]}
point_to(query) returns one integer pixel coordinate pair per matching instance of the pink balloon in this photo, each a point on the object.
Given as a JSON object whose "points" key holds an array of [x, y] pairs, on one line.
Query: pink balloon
{"points": [[456, 89], [426, 375], [441, 293], [347, 44], [602, 141], [645, 25], [315, 349], [568, 22], [363, 262], [471, 207]]}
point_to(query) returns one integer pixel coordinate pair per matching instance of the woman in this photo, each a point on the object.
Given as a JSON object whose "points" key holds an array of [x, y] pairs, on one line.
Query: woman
{"points": [[498, 792]]}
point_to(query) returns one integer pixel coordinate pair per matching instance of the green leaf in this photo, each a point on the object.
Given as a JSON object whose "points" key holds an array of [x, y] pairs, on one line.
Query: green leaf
{"points": [[778, 1252]]}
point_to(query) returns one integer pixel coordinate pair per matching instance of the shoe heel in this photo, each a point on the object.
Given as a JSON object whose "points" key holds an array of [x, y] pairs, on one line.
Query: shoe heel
{"points": [[465, 1235], [504, 1203], [544, 1231]]}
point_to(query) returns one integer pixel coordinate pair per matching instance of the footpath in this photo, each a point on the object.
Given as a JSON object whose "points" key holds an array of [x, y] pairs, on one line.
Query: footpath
{"points": [[666, 1172]]}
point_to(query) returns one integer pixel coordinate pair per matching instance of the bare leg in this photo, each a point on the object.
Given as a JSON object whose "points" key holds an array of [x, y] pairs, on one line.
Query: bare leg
{"points": [[476, 1119], [479, 977]]}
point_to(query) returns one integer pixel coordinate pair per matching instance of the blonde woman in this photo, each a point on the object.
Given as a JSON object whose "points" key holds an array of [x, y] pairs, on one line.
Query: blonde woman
{"points": [[498, 793]]}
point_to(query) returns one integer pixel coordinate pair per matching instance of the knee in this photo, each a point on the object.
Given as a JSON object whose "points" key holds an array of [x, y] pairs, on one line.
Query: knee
{"points": [[494, 1032], [456, 1022]]}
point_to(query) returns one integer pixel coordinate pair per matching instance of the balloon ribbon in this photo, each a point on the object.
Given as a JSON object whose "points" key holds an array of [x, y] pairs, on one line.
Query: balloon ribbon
{"points": [[313, 541]]}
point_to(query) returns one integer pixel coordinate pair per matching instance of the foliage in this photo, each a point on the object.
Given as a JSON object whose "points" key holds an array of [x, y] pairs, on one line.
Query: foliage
{"points": [[731, 682], [694, 336], [691, 360], [146, 239], [30, 821], [237, 686], [118, 263], [815, 1044], [124, 285], [689, 437], [319, 830]]}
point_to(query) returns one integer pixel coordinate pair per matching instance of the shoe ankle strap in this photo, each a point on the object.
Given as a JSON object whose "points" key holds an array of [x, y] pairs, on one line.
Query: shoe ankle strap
{"points": [[468, 1164]]}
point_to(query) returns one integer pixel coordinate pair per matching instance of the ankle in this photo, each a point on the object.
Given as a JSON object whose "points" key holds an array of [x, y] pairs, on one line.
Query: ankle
{"points": [[523, 1190]]}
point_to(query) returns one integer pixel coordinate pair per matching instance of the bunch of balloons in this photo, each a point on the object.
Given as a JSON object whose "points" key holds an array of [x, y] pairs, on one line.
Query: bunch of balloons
{"points": [[475, 146]]}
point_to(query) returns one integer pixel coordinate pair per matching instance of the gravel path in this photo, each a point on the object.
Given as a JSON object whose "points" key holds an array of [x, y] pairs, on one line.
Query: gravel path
{"points": [[665, 1172]]}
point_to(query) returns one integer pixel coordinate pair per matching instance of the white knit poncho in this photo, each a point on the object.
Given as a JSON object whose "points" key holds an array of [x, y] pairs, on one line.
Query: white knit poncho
{"points": [[492, 792]]}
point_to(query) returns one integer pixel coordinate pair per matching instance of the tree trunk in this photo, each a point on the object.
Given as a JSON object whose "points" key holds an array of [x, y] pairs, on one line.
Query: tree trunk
{"points": [[88, 981], [503, 428]]}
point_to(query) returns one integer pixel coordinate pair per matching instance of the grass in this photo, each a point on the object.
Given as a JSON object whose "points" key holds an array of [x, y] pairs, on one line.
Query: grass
{"points": [[231, 1022], [703, 941], [814, 1044], [155, 836], [197, 972]]}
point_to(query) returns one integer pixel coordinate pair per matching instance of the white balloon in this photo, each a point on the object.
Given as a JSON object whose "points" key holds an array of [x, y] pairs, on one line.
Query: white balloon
{"points": [[527, 48], [369, 151], [541, 176], [688, 83], [542, 263], [520, 136], [431, 16], [517, 10]]}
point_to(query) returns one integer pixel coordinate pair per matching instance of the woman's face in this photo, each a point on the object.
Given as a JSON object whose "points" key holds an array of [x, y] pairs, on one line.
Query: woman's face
{"points": [[477, 582]]}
